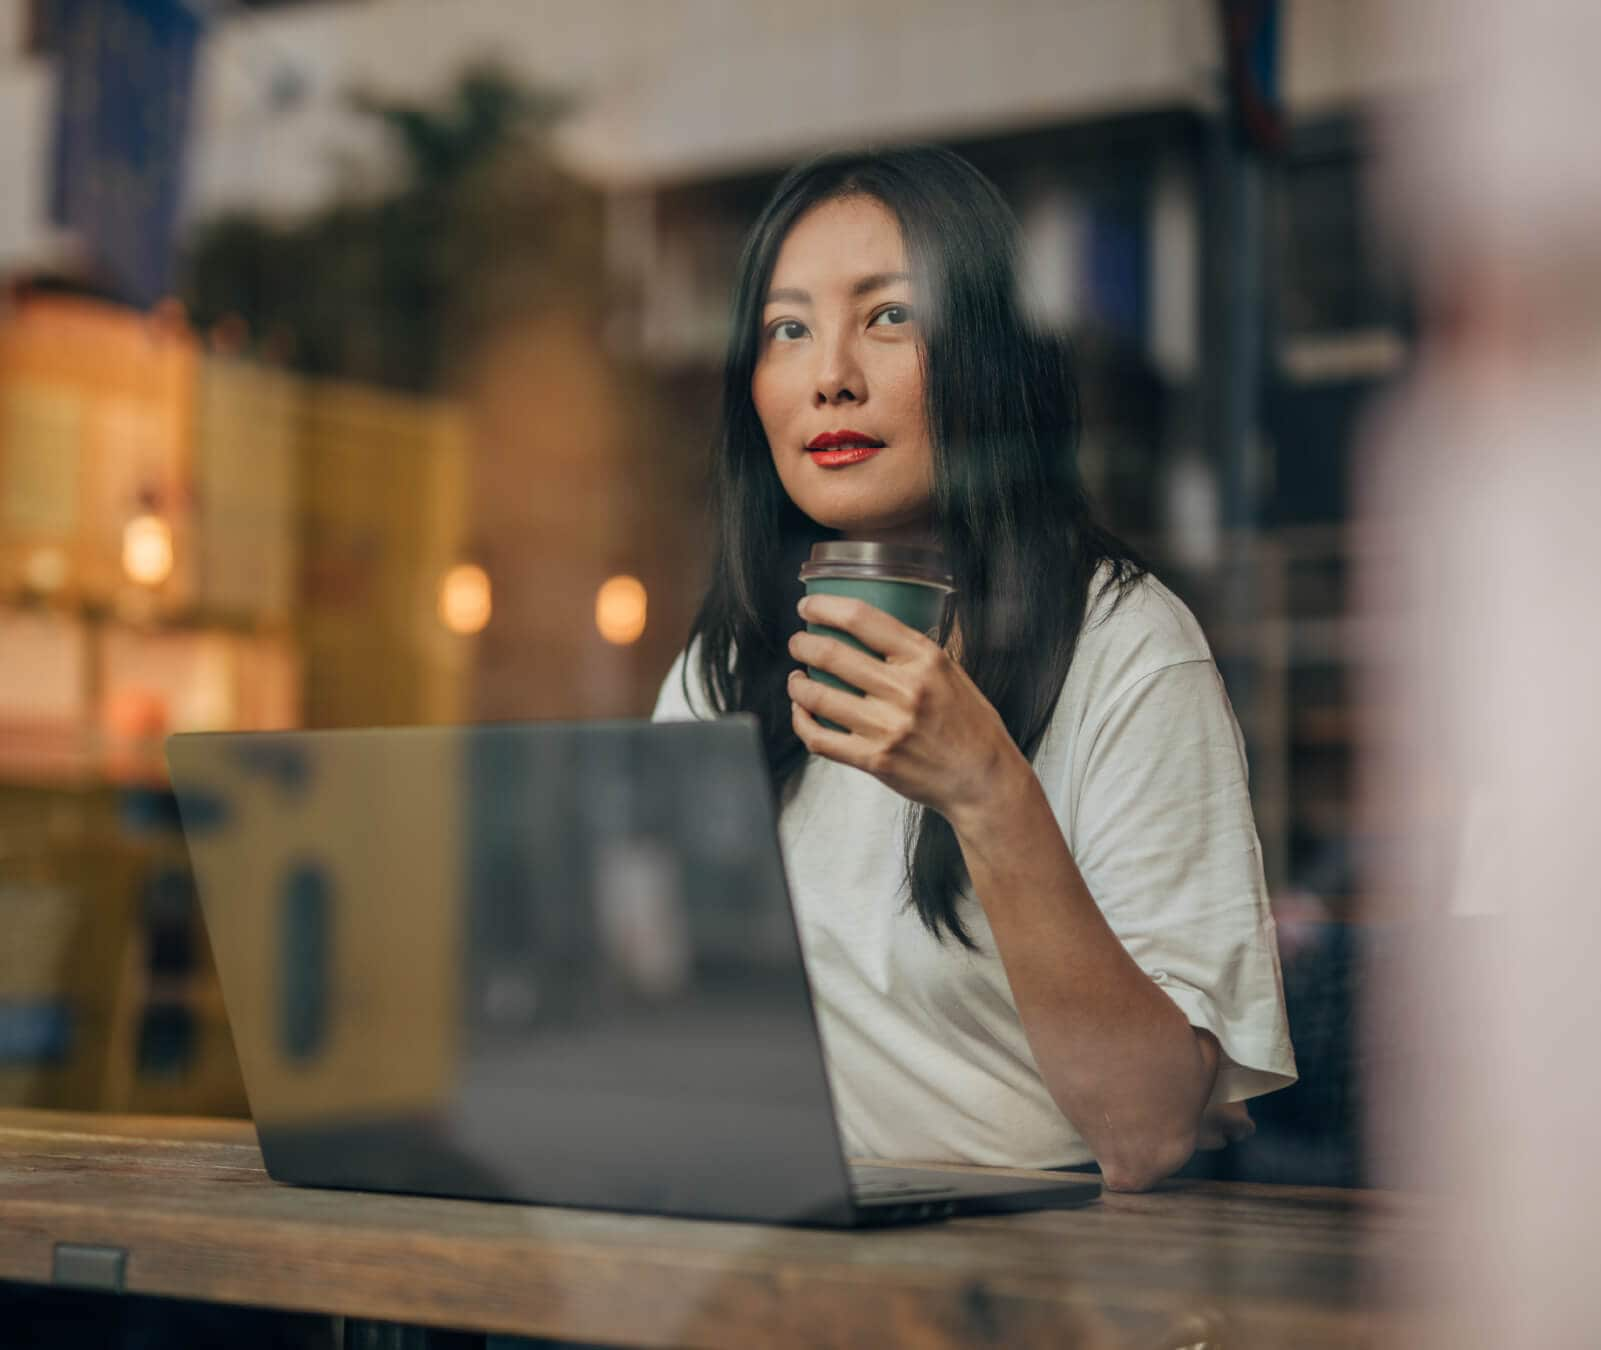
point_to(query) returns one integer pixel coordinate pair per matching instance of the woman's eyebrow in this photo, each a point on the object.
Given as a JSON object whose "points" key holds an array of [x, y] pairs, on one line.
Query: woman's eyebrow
{"points": [[875, 281]]}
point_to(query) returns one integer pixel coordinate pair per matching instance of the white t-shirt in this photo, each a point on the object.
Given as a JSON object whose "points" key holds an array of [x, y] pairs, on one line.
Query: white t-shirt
{"points": [[1144, 766]]}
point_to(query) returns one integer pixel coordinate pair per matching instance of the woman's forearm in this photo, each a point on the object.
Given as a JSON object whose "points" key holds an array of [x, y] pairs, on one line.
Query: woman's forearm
{"points": [[1118, 1056]]}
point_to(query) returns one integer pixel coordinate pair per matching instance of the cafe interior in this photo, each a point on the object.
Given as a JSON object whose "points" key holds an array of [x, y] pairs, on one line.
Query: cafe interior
{"points": [[360, 365]]}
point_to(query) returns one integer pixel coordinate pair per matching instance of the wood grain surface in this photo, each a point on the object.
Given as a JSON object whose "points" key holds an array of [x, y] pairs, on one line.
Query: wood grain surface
{"points": [[1192, 1264]]}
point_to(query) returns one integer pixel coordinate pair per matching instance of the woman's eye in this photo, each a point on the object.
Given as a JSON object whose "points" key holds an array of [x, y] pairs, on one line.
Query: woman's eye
{"points": [[892, 315], [788, 330]]}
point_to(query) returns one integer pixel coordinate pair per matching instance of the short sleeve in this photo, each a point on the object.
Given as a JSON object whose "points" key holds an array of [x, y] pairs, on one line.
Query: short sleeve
{"points": [[677, 703], [1165, 839]]}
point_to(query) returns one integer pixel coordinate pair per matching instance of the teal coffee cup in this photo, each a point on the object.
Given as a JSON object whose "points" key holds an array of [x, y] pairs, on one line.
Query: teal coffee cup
{"points": [[913, 584]]}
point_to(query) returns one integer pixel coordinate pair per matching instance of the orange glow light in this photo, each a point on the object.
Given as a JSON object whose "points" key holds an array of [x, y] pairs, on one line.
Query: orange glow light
{"points": [[620, 610], [465, 599], [147, 550]]}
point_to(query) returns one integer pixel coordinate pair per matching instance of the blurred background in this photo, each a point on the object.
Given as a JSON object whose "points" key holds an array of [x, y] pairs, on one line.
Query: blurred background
{"points": [[359, 361]]}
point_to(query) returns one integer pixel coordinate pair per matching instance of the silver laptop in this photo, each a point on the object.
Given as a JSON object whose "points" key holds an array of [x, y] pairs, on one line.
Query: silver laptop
{"points": [[552, 963]]}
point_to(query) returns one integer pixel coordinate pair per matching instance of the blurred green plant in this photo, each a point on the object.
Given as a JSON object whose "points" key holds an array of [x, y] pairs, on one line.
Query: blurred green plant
{"points": [[396, 288]]}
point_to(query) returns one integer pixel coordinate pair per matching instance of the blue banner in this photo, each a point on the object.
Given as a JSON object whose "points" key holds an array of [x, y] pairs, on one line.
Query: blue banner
{"points": [[122, 117]]}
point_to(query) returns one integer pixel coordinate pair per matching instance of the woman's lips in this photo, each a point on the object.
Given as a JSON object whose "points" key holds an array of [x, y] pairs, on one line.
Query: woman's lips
{"points": [[851, 454], [837, 440], [835, 449]]}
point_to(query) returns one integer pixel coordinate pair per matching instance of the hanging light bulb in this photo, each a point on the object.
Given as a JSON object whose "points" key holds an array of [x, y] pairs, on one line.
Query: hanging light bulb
{"points": [[147, 550], [465, 599], [620, 610]]}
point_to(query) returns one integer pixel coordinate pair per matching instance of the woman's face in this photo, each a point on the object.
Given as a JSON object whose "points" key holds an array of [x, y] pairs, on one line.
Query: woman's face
{"points": [[839, 376]]}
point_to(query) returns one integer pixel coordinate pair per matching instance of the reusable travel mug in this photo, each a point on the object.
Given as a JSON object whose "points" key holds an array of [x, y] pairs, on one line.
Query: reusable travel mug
{"points": [[912, 584]]}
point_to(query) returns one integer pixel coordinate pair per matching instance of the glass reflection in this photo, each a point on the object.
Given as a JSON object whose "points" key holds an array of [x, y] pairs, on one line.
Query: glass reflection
{"points": [[550, 962]]}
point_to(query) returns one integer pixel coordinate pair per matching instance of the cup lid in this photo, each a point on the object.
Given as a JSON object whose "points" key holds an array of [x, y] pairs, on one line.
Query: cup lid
{"points": [[861, 557]]}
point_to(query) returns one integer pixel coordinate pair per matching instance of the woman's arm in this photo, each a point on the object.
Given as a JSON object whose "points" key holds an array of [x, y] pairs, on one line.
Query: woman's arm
{"points": [[1116, 1053], [1119, 1057]]}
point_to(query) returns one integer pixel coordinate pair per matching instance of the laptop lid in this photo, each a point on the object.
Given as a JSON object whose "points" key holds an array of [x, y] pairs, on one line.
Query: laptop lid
{"points": [[545, 962]]}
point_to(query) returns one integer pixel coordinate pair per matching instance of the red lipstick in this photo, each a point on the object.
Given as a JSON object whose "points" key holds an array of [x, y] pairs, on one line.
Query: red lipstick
{"points": [[834, 449]]}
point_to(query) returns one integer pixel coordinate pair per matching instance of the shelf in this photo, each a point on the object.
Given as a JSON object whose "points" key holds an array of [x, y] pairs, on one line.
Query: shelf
{"points": [[1342, 640], [84, 773], [1343, 357]]}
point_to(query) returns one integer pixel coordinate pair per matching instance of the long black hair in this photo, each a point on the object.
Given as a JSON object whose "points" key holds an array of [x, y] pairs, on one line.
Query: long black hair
{"points": [[1009, 508]]}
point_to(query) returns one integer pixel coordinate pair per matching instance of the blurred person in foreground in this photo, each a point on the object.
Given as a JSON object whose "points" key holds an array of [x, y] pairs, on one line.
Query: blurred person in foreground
{"points": [[1487, 474], [1026, 872]]}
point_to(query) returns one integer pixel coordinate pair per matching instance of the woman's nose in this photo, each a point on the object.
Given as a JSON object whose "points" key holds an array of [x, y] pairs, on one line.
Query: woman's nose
{"points": [[839, 375]]}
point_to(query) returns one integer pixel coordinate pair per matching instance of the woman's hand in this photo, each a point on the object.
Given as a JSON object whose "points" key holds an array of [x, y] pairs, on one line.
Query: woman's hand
{"points": [[920, 726], [1224, 1124]]}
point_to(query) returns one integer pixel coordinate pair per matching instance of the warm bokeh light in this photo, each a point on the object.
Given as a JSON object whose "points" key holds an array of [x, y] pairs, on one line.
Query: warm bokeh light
{"points": [[147, 550], [620, 610], [46, 570], [465, 599]]}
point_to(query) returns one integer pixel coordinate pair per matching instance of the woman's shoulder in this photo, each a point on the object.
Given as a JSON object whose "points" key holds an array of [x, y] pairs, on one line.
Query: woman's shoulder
{"points": [[682, 697], [1132, 630]]}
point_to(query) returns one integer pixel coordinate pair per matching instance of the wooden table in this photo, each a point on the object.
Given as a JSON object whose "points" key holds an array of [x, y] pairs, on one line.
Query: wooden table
{"points": [[1191, 1264]]}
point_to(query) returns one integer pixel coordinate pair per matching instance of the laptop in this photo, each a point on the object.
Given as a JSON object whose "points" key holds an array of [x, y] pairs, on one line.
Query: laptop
{"points": [[551, 963]]}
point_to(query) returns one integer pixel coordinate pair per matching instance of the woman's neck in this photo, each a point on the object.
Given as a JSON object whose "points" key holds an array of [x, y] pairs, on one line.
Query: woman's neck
{"points": [[919, 536]]}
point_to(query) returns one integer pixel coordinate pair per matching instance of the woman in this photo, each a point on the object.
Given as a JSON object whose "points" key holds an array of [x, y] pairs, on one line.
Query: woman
{"points": [[1026, 873]]}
